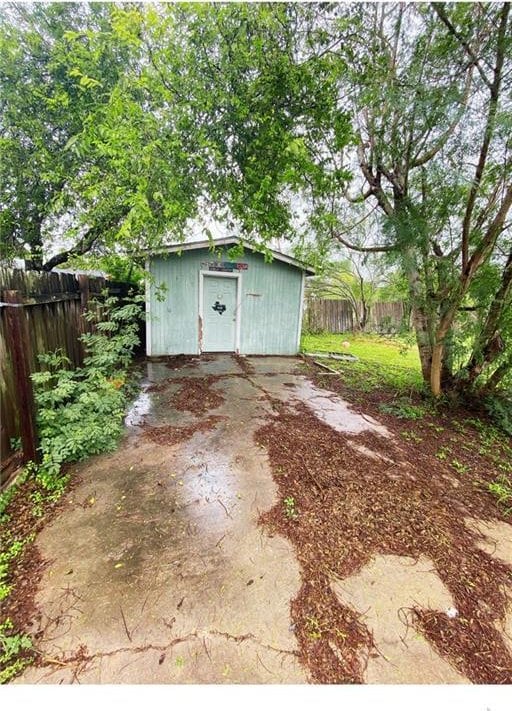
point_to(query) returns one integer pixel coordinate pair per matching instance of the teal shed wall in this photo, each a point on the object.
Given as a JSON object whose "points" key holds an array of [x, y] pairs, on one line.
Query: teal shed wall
{"points": [[270, 304]]}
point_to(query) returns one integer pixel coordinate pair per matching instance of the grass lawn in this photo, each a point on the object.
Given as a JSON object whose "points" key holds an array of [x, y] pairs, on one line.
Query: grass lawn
{"points": [[392, 362]]}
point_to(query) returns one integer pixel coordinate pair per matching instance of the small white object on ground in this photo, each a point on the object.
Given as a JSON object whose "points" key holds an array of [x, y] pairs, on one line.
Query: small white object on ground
{"points": [[345, 344], [452, 612]]}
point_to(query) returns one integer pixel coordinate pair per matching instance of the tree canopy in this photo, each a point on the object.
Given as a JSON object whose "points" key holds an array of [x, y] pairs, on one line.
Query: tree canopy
{"points": [[384, 128]]}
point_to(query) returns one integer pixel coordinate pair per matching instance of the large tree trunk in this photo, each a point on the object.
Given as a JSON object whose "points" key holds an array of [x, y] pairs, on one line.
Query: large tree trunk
{"points": [[422, 329], [496, 378], [421, 319], [436, 369]]}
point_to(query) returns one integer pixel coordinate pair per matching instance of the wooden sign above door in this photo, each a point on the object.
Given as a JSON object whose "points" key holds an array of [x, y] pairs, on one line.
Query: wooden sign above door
{"points": [[224, 266]]}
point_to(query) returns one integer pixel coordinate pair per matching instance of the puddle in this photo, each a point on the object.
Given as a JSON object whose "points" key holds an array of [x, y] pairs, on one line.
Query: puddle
{"points": [[335, 412], [139, 410]]}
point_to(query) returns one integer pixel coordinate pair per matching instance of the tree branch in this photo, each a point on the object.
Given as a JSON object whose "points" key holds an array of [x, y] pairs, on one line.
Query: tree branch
{"points": [[439, 9], [358, 248], [418, 160], [85, 244], [488, 133], [487, 244]]}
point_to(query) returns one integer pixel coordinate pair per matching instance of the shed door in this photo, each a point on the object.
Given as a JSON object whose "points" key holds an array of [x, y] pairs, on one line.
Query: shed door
{"points": [[219, 313]]}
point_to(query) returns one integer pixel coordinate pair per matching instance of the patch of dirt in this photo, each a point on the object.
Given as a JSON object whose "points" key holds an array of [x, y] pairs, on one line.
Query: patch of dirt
{"points": [[347, 508], [244, 364], [26, 570], [181, 361], [170, 434], [196, 395]]}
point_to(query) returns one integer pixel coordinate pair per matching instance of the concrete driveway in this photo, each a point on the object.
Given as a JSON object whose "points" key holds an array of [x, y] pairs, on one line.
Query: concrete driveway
{"points": [[158, 570]]}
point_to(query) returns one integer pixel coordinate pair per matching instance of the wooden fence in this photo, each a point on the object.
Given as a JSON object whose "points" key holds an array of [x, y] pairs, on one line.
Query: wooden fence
{"points": [[337, 316], [39, 313]]}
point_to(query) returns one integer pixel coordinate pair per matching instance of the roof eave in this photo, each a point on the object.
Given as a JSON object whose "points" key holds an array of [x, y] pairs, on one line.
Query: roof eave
{"points": [[222, 242]]}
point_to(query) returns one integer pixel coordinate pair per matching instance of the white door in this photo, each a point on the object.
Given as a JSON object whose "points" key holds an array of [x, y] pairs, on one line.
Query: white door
{"points": [[219, 314]]}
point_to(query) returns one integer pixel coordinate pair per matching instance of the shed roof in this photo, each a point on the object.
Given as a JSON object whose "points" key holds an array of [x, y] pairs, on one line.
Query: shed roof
{"points": [[224, 242]]}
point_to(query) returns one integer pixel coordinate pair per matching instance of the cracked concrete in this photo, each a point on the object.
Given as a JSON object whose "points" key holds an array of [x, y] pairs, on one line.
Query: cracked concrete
{"points": [[158, 569], [159, 573]]}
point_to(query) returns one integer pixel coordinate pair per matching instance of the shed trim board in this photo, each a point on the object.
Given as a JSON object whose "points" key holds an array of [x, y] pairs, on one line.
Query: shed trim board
{"points": [[147, 286], [238, 306], [301, 308]]}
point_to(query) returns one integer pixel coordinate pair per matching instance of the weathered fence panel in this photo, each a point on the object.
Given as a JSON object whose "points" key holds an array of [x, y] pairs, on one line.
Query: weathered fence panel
{"points": [[331, 315], [337, 316], [50, 313], [386, 316]]}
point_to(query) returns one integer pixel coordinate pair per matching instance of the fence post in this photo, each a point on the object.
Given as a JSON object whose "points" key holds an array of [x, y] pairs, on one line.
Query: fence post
{"points": [[19, 345]]}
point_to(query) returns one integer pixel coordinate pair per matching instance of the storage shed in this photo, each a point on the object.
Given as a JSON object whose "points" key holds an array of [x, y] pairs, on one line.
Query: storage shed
{"points": [[211, 303]]}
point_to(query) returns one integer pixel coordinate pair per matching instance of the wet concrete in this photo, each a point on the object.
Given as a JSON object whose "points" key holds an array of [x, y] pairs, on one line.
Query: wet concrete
{"points": [[157, 565], [159, 573]]}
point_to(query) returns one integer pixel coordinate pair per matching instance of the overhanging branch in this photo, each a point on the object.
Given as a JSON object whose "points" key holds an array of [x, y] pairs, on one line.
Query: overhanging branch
{"points": [[358, 248]]}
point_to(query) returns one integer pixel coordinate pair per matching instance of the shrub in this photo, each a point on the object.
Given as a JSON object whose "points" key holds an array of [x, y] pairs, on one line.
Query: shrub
{"points": [[80, 412]]}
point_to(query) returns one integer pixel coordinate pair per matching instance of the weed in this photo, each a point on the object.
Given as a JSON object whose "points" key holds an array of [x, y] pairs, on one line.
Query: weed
{"points": [[15, 443], [12, 550], [500, 410], [436, 428], [403, 410], [80, 412], [313, 628], [459, 467], [411, 436], [289, 507], [11, 645], [502, 490], [442, 453]]}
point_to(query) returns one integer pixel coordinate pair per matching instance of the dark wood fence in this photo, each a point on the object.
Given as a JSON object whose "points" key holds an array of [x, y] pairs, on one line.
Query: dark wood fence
{"points": [[39, 313], [337, 316]]}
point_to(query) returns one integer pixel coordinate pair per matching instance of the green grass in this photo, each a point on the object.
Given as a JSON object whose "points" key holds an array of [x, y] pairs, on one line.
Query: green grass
{"points": [[383, 361]]}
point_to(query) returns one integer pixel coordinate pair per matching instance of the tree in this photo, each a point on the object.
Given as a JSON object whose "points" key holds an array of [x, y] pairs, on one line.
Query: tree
{"points": [[91, 158], [430, 102], [279, 117], [357, 279], [417, 134]]}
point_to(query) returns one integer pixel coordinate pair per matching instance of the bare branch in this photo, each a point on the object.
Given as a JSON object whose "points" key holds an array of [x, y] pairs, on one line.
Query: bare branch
{"points": [[358, 248]]}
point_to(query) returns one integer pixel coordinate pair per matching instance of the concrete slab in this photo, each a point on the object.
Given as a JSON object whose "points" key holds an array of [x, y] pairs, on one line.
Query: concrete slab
{"points": [[274, 365], [383, 591], [496, 539], [158, 568], [159, 573]]}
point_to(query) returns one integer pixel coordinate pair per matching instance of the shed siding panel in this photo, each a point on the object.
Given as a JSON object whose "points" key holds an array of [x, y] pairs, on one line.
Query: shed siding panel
{"points": [[270, 320], [174, 320], [270, 304]]}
